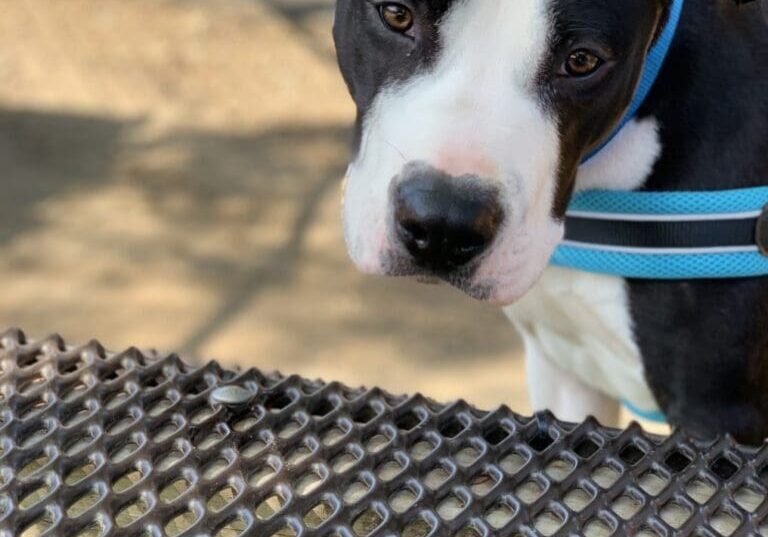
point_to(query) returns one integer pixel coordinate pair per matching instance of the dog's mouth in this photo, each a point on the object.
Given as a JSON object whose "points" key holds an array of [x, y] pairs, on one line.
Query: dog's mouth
{"points": [[461, 279]]}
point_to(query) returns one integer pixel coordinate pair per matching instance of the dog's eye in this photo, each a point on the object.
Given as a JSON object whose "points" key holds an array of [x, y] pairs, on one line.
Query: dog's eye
{"points": [[581, 63], [398, 17]]}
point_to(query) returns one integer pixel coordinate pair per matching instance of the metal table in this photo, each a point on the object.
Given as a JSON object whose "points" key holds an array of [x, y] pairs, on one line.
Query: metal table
{"points": [[139, 444]]}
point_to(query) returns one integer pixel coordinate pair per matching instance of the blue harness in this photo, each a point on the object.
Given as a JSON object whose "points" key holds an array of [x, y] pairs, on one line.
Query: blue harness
{"points": [[665, 235]]}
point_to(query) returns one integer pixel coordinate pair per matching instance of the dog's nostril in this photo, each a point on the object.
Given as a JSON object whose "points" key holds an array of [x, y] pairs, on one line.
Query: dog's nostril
{"points": [[445, 223], [415, 232]]}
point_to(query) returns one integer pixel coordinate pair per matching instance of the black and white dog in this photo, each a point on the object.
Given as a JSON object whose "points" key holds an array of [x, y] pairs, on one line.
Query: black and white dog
{"points": [[473, 119]]}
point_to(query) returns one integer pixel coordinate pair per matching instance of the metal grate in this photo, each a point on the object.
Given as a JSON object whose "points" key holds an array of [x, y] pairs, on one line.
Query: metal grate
{"points": [[138, 444]]}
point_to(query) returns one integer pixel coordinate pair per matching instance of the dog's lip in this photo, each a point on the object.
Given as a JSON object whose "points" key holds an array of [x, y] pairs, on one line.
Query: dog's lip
{"points": [[479, 292], [462, 279]]}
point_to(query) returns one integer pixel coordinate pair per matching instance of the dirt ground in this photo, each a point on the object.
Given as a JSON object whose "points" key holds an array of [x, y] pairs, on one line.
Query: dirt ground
{"points": [[170, 179]]}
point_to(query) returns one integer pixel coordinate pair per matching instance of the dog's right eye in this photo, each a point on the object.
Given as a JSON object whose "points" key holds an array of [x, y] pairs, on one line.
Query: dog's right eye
{"points": [[397, 17], [582, 63]]}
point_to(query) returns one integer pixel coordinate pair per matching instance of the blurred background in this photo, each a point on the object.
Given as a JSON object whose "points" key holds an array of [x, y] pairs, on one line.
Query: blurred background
{"points": [[171, 176]]}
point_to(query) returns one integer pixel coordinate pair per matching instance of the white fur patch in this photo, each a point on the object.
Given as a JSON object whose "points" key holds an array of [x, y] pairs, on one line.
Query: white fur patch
{"points": [[626, 162], [553, 388], [580, 322], [475, 112]]}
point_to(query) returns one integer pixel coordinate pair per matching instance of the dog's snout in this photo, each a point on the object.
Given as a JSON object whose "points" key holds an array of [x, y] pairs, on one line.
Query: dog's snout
{"points": [[445, 222]]}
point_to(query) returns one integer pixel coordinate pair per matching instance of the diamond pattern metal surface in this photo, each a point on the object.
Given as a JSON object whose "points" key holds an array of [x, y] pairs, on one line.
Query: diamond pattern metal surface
{"points": [[95, 444]]}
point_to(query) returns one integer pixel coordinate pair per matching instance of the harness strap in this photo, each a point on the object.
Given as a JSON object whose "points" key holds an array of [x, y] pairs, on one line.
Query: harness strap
{"points": [[668, 235]]}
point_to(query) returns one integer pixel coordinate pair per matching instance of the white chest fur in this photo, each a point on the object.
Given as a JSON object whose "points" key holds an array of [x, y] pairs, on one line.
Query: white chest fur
{"points": [[579, 321]]}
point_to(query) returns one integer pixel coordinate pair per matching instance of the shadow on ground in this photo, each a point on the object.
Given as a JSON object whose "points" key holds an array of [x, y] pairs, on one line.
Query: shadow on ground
{"points": [[171, 178], [210, 237], [45, 155]]}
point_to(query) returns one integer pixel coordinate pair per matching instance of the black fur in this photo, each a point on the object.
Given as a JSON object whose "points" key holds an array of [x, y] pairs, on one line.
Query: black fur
{"points": [[705, 343], [624, 30]]}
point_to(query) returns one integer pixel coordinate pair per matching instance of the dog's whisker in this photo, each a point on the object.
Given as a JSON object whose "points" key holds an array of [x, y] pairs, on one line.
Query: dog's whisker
{"points": [[393, 146]]}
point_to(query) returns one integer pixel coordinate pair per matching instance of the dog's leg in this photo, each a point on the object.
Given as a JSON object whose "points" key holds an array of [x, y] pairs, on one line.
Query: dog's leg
{"points": [[552, 388]]}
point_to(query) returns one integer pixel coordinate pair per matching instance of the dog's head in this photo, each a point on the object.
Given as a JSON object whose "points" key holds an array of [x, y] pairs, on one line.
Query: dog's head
{"points": [[473, 116]]}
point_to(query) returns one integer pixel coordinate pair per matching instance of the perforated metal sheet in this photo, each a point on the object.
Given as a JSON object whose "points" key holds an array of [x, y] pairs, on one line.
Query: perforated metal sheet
{"points": [[137, 444]]}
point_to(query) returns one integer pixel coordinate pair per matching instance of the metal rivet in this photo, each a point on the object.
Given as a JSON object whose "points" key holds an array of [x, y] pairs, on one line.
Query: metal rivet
{"points": [[762, 232], [232, 395]]}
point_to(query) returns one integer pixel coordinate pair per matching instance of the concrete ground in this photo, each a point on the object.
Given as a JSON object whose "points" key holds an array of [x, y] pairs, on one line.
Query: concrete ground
{"points": [[170, 179]]}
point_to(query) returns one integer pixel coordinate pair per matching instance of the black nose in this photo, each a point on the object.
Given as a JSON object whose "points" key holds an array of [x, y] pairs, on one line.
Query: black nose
{"points": [[445, 222]]}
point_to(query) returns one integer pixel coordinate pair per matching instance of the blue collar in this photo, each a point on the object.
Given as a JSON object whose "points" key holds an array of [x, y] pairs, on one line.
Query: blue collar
{"points": [[651, 69], [665, 235]]}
